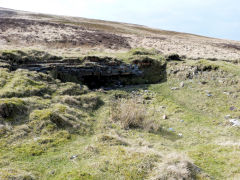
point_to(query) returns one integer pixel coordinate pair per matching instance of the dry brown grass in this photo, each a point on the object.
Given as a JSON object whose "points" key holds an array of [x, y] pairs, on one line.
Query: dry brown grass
{"points": [[132, 113], [129, 112], [178, 166]]}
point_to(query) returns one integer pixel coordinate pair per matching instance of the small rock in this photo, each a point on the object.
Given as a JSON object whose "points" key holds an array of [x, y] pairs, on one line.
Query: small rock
{"points": [[227, 116], [74, 157], [46, 96], [235, 96], [209, 95], [100, 90], [53, 172], [182, 84], [174, 88], [234, 122], [227, 93], [180, 134], [181, 120], [164, 116], [232, 108], [203, 82]]}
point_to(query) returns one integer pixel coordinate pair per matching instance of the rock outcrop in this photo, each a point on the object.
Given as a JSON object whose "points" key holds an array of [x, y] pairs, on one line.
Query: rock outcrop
{"points": [[89, 68]]}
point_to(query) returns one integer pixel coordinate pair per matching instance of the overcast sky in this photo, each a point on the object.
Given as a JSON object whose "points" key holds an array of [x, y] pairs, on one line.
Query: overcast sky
{"points": [[215, 18]]}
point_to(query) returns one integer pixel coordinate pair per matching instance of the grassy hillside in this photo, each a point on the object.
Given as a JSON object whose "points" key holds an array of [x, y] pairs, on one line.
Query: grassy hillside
{"points": [[72, 36], [84, 99], [178, 128]]}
